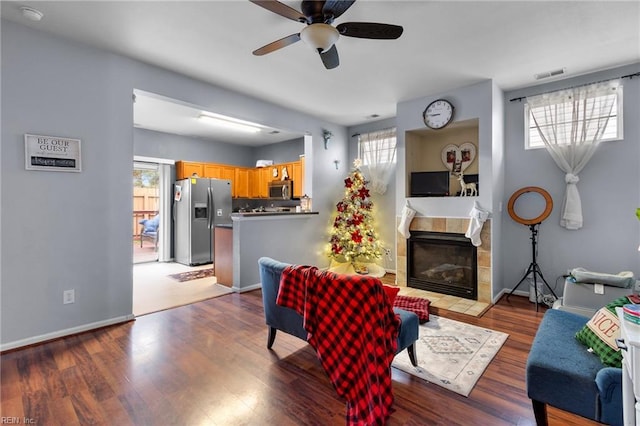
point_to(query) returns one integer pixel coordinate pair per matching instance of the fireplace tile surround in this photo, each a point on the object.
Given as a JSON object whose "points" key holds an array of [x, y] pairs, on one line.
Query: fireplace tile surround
{"points": [[451, 225]]}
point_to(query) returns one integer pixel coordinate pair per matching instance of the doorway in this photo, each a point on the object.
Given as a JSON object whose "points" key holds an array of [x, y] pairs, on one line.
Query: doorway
{"points": [[146, 227]]}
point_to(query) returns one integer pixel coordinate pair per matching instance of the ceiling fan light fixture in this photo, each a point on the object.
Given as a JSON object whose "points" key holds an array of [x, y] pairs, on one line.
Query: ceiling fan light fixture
{"points": [[229, 123], [320, 36], [31, 14]]}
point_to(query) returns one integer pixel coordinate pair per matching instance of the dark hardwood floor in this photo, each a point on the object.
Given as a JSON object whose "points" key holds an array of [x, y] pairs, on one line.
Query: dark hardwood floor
{"points": [[207, 364]]}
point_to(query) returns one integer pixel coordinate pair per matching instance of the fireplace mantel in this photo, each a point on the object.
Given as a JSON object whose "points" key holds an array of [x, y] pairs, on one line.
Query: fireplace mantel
{"points": [[449, 225]]}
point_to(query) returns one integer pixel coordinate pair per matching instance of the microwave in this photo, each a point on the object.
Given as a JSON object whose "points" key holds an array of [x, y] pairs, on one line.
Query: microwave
{"points": [[281, 189]]}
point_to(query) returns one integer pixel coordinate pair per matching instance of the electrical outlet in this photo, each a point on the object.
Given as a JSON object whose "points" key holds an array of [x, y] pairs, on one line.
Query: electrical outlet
{"points": [[387, 251], [68, 296]]}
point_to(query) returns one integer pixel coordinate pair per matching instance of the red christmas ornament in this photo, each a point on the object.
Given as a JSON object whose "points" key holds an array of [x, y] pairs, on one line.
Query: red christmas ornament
{"points": [[363, 193], [348, 182], [356, 237], [357, 219]]}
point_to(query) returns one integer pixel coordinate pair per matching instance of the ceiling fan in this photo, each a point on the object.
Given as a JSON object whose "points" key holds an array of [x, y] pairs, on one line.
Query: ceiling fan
{"points": [[319, 33]]}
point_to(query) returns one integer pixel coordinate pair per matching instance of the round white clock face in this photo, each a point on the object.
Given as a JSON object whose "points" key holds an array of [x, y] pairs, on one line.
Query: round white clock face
{"points": [[438, 114]]}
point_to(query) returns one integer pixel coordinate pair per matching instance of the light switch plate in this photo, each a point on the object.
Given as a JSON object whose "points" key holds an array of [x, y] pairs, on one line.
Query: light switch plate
{"points": [[598, 288]]}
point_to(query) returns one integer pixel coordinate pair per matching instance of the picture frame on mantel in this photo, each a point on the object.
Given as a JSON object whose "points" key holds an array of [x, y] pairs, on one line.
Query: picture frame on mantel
{"points": [[52, 153]]}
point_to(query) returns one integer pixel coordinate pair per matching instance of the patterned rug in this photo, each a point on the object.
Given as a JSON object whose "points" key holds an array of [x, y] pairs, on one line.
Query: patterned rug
{"points": [[452, 354], [193, 275]]}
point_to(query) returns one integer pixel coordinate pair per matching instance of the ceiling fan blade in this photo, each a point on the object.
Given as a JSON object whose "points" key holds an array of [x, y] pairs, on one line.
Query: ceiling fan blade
{"points": [[330, 58], [278, 44], [281, 9], [370, 30], [335, 8]]}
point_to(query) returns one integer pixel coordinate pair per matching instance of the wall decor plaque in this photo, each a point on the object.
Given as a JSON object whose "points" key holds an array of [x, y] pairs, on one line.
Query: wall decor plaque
{"points": [[52, 153], [458, 158]]}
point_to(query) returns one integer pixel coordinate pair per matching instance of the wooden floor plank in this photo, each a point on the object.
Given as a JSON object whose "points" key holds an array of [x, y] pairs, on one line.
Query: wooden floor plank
{"points": [[207, 363]]}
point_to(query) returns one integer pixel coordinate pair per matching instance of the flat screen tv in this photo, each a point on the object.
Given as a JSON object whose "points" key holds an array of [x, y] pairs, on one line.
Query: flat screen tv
{"points": [[429, 184]]}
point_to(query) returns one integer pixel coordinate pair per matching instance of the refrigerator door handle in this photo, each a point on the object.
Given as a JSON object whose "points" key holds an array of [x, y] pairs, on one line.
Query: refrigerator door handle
{"points": [[209, 208], [173, 211]]}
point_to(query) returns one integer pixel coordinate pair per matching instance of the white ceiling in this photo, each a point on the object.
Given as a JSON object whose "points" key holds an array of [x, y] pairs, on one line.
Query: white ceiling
{"points": [[445, 45], [162, 114]]}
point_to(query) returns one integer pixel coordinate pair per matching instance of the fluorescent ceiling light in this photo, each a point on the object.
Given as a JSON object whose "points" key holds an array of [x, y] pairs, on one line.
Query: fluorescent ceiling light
{"points": [[229, 123]]}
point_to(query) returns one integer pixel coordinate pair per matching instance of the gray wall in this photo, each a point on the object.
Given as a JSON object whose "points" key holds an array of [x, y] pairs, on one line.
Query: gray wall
{"points": [[609, 189], [383, 204], [72, 230], [282, 152], [148, 143], [480, 101]]}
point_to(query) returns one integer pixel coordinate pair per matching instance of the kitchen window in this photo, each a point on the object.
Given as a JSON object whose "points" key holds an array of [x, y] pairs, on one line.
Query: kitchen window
{"points": [[377, 147]]}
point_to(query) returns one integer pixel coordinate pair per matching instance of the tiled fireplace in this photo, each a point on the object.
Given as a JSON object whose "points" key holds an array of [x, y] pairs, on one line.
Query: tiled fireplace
{"points": [[443, 262], [440, 227]]}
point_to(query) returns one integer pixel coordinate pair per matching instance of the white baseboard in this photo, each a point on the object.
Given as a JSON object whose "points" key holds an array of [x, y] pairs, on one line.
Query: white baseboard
{"points": [[62, 333], [248, 288], [506, 291]]}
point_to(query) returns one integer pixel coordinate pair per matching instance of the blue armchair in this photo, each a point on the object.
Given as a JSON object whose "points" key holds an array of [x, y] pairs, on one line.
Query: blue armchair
{"points": [[289, 321], [563, 374], [149, 230]]}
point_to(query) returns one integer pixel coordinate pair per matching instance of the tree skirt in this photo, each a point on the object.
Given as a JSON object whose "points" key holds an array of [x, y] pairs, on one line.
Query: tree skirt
{"points": [[452, 354], [374, 270], [193, 275]]}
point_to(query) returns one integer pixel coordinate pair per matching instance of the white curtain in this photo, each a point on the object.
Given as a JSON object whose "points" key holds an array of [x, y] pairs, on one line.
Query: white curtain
{"points": [[378, 151], [571, 124]]}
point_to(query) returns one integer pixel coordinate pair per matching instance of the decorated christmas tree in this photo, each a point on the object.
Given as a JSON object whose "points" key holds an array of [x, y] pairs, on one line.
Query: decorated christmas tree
{"points": [[353, 237]]}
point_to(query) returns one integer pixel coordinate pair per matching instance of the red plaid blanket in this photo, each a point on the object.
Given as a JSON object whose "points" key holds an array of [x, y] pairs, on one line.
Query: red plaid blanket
{"points": [[354, 331], [414, 304]]}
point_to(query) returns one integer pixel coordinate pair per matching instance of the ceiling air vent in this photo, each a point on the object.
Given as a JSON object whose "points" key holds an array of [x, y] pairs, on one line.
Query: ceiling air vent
{"points": [[548, 74]]}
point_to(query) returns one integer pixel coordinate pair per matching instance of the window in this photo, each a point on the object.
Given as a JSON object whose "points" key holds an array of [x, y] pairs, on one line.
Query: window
{"points": [[563, 109], [377, 147]]}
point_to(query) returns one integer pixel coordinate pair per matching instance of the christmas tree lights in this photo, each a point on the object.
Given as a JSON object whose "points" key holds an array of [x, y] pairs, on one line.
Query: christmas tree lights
{"points": [[353, 238]]}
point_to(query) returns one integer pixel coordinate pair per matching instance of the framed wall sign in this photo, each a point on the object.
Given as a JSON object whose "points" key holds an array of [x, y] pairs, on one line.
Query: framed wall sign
{"points": [[52, 153]]}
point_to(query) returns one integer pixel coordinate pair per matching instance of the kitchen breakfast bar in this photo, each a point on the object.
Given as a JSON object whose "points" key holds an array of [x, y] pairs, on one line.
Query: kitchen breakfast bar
{"points": [[280, 235]]}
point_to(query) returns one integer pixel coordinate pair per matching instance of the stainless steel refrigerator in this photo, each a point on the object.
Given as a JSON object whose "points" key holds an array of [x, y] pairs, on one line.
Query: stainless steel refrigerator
{"points": [[199, 204]]}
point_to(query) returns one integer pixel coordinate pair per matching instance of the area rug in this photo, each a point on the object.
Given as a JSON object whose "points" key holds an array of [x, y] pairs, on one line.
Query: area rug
{"points": [[193, 275], [452, 354]]}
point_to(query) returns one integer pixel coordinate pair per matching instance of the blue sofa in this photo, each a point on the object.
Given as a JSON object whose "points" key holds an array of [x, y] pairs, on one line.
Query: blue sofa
{"points": [[561, 372], [289, 321]]}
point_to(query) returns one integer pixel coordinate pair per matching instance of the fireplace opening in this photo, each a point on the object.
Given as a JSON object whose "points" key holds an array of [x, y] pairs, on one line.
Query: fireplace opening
{"points": [[442, 262]]}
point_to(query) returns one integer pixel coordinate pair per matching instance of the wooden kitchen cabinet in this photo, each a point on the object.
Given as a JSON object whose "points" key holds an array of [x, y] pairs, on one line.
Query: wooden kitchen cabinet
{"points": [[254, 183], [229, 173], [265, 176], [241, 182], [246, 182], [212, 170], [185, 169], [297, 175]]}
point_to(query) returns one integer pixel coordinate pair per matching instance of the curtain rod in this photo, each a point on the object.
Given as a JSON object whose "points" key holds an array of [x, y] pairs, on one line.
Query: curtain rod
{"points": [[579, 85], [381, 130]]}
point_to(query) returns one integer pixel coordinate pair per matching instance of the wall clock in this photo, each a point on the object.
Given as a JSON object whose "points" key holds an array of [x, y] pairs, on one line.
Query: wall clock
{"points": [[438, 114]]}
